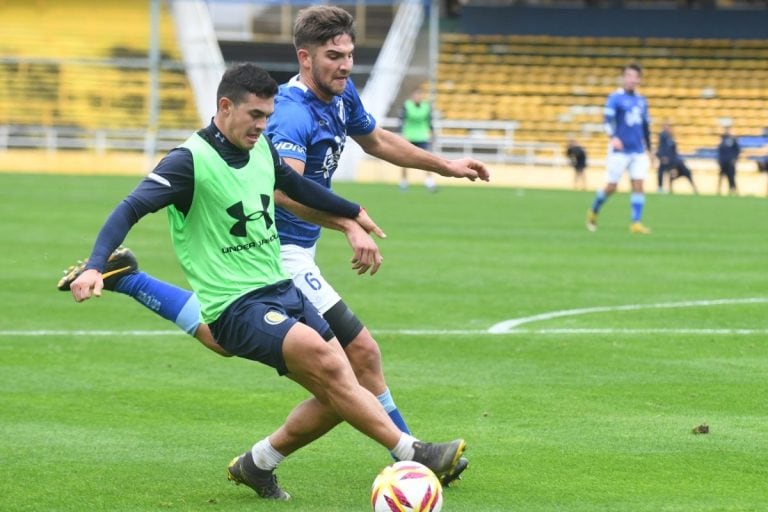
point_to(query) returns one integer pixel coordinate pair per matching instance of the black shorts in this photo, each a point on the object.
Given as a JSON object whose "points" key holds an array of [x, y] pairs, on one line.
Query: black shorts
{"points": [[682, 172], [255, 325]]}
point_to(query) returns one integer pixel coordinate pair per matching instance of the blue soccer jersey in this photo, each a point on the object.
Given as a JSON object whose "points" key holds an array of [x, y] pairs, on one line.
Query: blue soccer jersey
{"points": [[626, 117], [306, 128]]}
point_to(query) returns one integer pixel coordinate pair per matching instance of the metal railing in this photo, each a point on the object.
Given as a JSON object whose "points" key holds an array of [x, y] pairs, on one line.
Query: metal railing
{"points": [[490, 141], [52, 139]]}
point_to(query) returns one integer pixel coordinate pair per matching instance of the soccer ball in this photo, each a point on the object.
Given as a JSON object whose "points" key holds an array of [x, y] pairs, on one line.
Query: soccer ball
{"points": [[406, 486]]}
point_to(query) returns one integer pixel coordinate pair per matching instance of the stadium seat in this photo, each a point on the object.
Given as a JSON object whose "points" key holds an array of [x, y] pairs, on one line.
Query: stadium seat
{"points": [[81, 63], [694, 83]]}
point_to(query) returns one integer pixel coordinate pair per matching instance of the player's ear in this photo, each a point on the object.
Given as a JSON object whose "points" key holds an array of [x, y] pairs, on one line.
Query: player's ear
{"points": [[225, 105], [304, 56]]}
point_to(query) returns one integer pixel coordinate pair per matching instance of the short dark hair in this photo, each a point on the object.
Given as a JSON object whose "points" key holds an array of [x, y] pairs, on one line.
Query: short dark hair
{"points": [[317, 24], [634, 66], [246, 78]]}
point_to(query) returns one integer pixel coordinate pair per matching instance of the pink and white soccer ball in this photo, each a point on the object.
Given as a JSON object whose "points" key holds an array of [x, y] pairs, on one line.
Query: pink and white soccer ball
{"points": [[406, 486]]}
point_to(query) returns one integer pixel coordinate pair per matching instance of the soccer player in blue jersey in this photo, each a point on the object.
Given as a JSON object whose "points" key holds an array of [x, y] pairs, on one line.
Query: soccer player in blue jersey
{"points": [[628, 126], [314, 113]]}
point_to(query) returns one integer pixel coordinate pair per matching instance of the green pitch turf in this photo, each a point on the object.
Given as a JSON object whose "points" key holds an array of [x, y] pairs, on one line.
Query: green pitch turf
{"points": [[106, 407]]}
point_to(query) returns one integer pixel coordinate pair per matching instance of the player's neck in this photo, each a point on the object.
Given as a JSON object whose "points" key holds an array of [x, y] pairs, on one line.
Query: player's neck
{"points": [[312, 86]]}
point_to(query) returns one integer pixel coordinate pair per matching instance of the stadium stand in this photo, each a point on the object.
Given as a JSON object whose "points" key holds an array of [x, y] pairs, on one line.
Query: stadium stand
{"points": [[510, 98], [555, 86], [82, 64]]}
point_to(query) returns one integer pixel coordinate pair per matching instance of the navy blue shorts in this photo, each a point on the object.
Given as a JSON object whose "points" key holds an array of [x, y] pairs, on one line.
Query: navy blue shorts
{"points": [[255, 325]]}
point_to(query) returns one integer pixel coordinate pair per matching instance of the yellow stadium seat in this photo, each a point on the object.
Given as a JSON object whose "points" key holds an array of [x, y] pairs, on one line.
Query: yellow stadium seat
{"points": [[556, 85], [67, 58]]}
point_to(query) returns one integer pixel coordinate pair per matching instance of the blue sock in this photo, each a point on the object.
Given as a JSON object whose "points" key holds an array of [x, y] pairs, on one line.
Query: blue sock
{"points": [[637, 201], [170, 302], [385, 399], [599, 200]]}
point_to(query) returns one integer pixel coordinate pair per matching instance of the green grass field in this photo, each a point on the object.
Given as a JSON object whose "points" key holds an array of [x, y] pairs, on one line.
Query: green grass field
{"points": [[105, 407]]}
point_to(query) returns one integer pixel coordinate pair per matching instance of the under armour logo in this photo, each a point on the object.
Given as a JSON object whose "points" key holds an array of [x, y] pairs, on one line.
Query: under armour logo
{"points": [[220, 137], [237, 211]]}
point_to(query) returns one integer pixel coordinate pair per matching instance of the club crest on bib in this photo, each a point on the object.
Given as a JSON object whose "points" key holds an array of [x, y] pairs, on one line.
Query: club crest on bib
{"points": [[273, 317]]}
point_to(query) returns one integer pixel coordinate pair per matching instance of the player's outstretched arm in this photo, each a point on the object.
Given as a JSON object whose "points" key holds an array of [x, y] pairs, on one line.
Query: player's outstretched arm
{"points": [[113, 232], [396, 150]]}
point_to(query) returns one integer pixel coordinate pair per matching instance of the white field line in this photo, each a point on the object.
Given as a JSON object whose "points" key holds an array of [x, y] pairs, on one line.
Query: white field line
{"points": [[409, 332], [505, 327], [587, 330], [511, 325], [91, 333]]}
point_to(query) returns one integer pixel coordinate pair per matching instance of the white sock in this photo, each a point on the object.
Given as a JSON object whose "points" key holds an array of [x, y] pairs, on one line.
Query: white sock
{"points": [[265, 456], [429, 181], [403, 450]]}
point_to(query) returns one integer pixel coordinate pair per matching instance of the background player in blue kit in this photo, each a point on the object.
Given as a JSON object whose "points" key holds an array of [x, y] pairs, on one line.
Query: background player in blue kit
{"points": [[628, 125], [314, 113]]}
